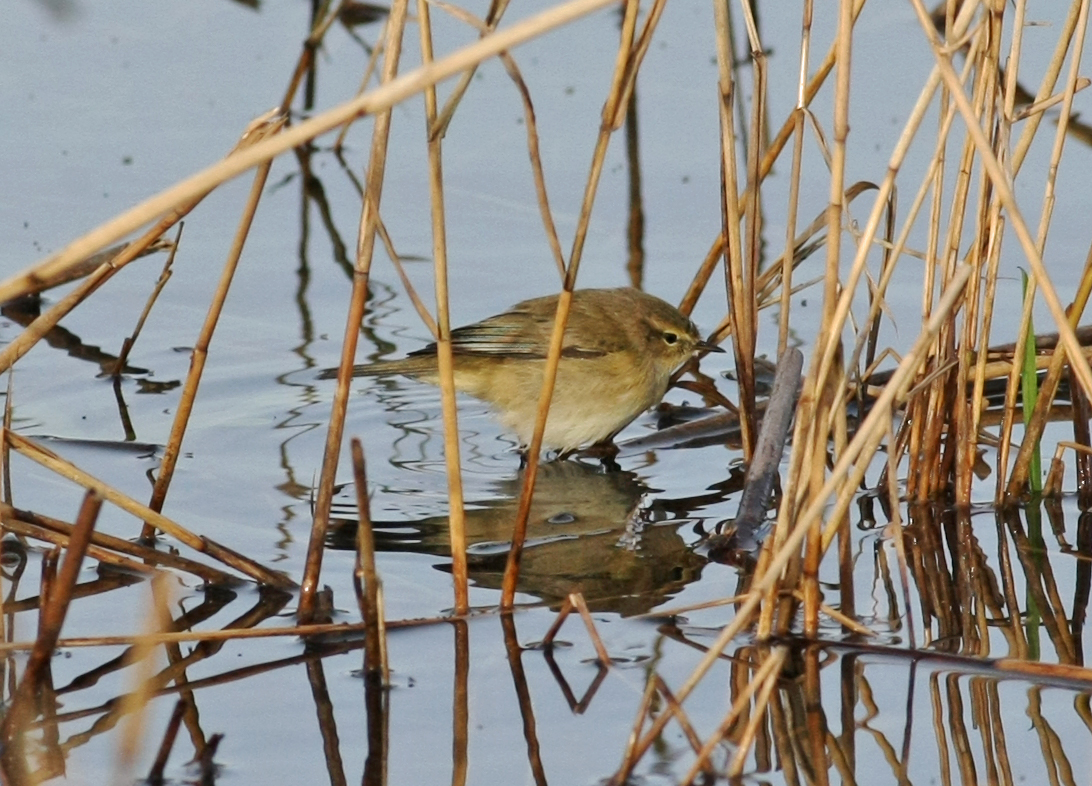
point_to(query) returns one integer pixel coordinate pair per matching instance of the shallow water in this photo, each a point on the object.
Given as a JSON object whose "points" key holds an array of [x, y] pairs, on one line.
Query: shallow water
{"points": [[111, 103]]}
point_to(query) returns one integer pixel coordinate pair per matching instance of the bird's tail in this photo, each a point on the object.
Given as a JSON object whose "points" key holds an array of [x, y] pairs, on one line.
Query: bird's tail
{"points": [[420, 366]]}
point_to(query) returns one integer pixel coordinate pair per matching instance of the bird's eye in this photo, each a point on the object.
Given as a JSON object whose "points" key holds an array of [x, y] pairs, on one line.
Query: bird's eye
{"points": [[670, 337]]}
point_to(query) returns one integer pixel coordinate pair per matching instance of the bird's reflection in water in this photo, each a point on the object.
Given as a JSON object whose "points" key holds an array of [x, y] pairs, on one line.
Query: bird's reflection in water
{"points": [[589, 531]]}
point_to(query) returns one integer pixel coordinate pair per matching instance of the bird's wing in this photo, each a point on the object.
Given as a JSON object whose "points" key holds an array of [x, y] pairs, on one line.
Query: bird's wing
{"points": [[517, 334], [522, 333]]}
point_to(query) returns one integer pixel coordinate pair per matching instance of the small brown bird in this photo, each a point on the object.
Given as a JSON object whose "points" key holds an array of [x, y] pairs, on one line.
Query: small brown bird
{"points": [[620, 349]]}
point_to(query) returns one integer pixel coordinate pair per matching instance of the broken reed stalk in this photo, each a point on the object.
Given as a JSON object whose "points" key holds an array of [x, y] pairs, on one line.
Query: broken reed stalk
{"points": [[200, 353], [630, 54], [104, 556], [574, 601], [164, 277], [240, 161], [27, 282], [50, 620], [105, 548], [43, 323], [444, 355], [369, 218], [368, 582], [55, 463]]}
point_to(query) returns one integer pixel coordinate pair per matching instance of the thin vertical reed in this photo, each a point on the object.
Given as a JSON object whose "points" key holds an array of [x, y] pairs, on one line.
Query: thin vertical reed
{"points": [[523, 696], [828, 340], [626, 64], [1031, 435], [794, 180], [460, 704], [745, 340], [767, 683], [5, 446], [731, 221], [974, 335], [369, 217], [155, 772], [456, 511], [635, 225], [375, 640], [199, 357]]}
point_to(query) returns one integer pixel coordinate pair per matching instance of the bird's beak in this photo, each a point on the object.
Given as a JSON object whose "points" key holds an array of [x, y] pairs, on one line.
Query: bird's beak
{"points": [[706, 346]]}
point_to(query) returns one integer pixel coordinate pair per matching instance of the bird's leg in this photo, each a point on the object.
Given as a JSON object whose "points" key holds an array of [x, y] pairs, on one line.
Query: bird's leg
{"points": [[606, 451]]}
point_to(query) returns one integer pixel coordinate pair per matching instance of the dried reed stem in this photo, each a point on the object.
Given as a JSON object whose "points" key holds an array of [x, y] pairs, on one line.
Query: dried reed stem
{"points": [[764, 674], [627, 62], [235, 164], [55, 463], [843, 480], [5, 446], [204, 338], [732, 207], [794, 181], [444, 356], [1004, 191], [51, 619], [132, 707], [375, 635], [164, 277], [369, 219], [103, 546]]}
